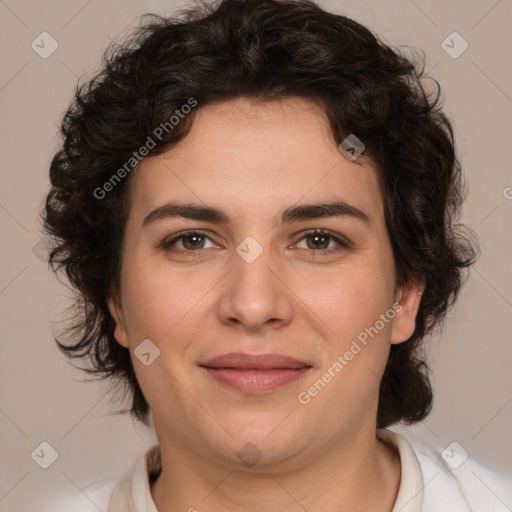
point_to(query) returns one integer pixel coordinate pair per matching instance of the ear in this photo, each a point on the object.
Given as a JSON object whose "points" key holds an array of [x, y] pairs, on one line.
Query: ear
{"points": [[406, 307], [114, 306]]}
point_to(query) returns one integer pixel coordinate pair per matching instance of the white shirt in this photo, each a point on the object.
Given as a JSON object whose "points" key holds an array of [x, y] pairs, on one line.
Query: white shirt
{"points": [[427, 484]]}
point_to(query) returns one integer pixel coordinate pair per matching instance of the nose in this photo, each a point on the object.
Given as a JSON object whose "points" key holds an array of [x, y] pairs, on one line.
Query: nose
{"points": [[255, 296]]}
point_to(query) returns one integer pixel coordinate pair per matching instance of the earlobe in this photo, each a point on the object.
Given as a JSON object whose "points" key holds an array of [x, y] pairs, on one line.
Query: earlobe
{"points": [[114, 306], [407, 305]]}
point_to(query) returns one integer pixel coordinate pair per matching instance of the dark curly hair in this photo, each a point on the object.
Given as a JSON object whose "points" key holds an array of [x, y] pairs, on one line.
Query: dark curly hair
{"points": [[266, 50]]}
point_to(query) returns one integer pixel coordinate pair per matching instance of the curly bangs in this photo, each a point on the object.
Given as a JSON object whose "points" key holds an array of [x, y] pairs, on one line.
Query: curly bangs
{"points": [[265, 50]]}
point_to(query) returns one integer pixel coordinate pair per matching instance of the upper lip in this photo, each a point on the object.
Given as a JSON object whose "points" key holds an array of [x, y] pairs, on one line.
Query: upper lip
{"points": [[243, 361]]}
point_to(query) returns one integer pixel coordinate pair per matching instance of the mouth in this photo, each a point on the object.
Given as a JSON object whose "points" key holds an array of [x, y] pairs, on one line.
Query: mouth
{"points": [[256, 373]]}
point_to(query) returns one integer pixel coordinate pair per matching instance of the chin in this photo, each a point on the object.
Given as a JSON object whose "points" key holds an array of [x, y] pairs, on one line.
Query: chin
{"points": [[262, 440]]}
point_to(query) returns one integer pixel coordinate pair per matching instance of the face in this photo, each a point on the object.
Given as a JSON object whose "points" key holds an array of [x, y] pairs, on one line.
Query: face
{"points": [[263, 273]]}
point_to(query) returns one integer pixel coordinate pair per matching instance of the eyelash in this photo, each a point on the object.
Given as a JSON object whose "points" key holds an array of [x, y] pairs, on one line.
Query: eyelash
{"points": [[166, 244]]}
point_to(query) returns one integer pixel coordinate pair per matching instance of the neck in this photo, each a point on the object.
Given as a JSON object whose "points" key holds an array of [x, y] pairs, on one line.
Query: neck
{"points": [[362, 473]]}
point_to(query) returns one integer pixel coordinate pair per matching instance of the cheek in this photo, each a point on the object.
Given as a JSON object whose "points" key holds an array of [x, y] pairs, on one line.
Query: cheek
{"points": [[160, 302], [357, 347], [164, 307], [353, 300]]}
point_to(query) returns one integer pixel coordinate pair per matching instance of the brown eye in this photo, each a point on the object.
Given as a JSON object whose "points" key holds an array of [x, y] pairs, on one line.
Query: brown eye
{"points": [[191, 241], [318, 241]]}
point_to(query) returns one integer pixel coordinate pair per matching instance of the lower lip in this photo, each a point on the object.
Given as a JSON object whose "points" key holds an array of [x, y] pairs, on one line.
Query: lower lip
{"points": [[256, 381]]}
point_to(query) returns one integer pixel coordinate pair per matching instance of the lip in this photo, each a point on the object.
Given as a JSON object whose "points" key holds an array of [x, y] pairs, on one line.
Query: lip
{"points": [[241, 361], [255, 373]]}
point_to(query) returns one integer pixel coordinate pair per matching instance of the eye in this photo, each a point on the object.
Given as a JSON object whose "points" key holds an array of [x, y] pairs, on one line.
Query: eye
{"points": [[321, 241], [191, 241], [318, 241]]}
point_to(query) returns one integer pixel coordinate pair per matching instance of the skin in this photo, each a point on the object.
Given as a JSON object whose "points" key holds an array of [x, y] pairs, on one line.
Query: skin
{"points": [[253, 160]]}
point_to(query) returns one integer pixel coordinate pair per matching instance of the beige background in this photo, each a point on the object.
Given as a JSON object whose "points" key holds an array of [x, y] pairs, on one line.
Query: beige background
{"points": [[42, 396]]}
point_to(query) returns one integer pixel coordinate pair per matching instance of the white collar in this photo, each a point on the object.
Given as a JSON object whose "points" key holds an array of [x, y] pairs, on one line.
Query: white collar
{"points": [[133, 494]]}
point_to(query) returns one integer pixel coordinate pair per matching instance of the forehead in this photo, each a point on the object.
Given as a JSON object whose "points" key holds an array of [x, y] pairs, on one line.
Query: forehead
{"points": [[244, 155]]}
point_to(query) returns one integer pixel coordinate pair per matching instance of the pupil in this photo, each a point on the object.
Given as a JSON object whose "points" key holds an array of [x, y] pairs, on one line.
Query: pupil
{"points": [[197, 239], [317, 238]]}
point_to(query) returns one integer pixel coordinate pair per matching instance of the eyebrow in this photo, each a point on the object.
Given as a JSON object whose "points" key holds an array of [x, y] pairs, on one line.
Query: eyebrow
{"points": [[289, 215]]}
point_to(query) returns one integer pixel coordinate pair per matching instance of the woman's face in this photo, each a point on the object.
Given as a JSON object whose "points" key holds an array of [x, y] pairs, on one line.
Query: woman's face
{"points": [[255, 281]]}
